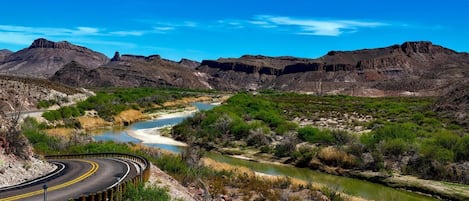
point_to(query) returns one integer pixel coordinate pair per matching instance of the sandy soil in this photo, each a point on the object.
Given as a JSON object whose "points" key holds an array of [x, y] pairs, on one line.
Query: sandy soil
{"points": [[153, 136], [171, 114]]}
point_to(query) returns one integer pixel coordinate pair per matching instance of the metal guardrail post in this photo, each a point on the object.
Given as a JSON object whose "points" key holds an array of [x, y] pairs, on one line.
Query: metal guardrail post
{"points": [[111, 194], [105, 195]]}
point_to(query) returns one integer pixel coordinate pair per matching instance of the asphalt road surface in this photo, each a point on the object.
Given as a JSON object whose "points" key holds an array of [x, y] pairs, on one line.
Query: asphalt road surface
{"points": [[75, 177]]}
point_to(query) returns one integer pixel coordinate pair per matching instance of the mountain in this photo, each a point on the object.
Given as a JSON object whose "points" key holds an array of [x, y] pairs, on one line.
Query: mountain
{"points": [[43, 58], [132, 71], [413, 68], [4, 53], [418, 68]]}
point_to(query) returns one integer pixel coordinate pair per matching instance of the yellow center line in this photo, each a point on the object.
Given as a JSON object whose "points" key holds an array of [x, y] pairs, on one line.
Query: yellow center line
{"points": [[94, 168]]}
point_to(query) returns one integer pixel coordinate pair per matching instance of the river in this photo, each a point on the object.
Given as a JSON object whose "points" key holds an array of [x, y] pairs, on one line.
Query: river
{"points": [[361, 188]]}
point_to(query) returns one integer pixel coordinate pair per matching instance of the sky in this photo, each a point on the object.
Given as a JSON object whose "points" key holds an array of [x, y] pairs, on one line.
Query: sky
{"points": [[210, 29]]}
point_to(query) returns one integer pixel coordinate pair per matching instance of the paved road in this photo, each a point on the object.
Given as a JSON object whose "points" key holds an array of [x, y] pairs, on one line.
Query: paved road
{"points": [[77, 177]]}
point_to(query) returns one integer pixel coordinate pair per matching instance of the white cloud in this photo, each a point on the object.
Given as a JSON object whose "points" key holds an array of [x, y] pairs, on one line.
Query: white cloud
{"points": [[166, 28], [313, 26], [23, 35], [127, 33], [86, 31], [17, 39]]}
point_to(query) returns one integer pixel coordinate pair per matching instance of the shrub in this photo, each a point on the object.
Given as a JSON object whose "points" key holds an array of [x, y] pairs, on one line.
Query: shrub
{"points": [[141, 192], [394, 147], [418, 117], [462, 149], [314, 135], [432, 151], [52, 115], [335, 157], [341, 137], [446, 139], [285, 148], [389, 132], [45, 103]]}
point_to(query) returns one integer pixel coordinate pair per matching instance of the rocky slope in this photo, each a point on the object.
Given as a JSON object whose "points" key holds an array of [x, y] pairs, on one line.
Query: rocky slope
{"points": [[43, 58], [132, 71], [23, 94], [15, 171], [410, 67], [4, 53], [455, 103]]}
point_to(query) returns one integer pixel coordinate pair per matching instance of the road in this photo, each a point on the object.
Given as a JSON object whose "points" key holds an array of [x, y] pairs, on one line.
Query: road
{"points": [[75, 177]]}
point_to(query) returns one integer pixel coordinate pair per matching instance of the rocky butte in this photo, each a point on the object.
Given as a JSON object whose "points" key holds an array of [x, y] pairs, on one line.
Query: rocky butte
{"points": [[43, 58]]}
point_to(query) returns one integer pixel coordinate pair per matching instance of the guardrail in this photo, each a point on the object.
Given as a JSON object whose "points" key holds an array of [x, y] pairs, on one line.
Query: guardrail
{"points": [[115, 192]]}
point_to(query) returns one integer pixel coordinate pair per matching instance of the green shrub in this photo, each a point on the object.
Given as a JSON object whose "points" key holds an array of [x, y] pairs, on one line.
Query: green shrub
{"points": [[462, 149], [432, 151], [314, 135], [418, 117], [141, 192], [446, 139], [389, 132], [285, 148], [172, 164], [52, 115], [395, 147], [46, 103]]}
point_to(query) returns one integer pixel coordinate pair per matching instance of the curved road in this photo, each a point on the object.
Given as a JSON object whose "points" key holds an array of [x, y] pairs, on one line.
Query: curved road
{"points": [[75, 177]]}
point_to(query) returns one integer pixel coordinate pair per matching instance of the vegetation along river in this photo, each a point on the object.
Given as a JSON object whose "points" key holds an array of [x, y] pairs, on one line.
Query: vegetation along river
{"points": [[350, 186]]}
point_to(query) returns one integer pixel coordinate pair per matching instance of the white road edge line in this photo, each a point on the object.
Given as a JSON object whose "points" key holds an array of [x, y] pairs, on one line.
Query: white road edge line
{"points": [[123, 177]]}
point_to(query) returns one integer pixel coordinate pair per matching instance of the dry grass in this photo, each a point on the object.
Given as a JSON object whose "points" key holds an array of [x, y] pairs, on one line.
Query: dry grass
{"points": [[129, 116], [89, 123], [335, 157], [187, 100], [223, 166], [60, 132]]}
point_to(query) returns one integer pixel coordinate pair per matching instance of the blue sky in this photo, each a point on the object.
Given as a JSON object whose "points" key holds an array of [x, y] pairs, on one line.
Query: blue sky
{"points": [[209, 29]]}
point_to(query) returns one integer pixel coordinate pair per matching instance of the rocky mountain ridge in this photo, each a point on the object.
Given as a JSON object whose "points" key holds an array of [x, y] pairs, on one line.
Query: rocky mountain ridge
{"points": [[43, 58], [342, 71], [412, 68], [131, 71]]}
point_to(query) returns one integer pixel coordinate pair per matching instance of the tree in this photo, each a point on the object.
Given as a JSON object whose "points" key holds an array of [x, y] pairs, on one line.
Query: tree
{"points": [[11, 137]]}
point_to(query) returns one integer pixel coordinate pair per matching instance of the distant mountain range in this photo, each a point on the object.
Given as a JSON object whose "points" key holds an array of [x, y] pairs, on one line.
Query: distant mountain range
{"points": [[412, 68]]}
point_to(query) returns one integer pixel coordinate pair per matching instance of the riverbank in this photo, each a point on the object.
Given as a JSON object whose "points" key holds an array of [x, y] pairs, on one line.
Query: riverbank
{"points": [[431, 188]]}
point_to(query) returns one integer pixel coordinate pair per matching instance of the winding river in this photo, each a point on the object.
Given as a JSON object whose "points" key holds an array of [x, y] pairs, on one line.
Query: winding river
{"points": [[350, 186]]}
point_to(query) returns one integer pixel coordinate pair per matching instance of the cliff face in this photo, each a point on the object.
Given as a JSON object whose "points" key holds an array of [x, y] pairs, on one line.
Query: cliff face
{"points": [[383, 69], [43, 58]]}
